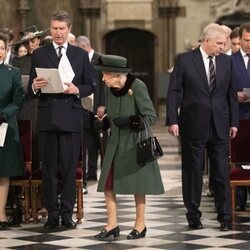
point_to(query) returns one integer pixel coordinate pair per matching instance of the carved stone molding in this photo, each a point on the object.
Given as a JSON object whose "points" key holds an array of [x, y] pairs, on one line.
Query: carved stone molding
{"points": [[90, 7], [168, 3], [23, 9], [168, 7], [229, 7]]}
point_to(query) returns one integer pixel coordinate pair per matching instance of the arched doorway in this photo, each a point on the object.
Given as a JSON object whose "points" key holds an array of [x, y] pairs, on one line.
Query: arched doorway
{"points": [[138, 47]]}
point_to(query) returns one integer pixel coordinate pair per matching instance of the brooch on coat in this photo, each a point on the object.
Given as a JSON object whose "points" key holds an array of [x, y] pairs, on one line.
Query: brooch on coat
{"points": [[130, 92]]}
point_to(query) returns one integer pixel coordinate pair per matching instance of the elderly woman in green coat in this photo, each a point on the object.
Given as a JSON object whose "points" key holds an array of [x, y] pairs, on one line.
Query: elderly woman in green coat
{"points": [[11, 100], [128, 108]]}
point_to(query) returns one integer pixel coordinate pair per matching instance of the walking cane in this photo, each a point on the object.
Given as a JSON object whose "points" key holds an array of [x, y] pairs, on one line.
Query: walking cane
{"points": [[101, 137]]}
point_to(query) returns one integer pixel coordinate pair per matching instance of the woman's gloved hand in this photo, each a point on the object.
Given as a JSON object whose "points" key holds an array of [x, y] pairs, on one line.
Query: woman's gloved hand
{"points": [[133, 122]]}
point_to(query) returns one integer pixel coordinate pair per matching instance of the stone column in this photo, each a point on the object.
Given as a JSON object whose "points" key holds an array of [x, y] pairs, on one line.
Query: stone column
{"points": [[90, 11], [168, 11], [23, 10]]}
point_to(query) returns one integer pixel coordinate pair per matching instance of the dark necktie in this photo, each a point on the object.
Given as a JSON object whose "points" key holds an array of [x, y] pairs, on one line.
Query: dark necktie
{"points": [[248, 65], [60, 52], [212, 79]]}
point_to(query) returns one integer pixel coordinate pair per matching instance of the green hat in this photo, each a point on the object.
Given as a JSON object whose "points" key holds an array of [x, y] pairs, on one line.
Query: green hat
{"points": [[29, 33], [112, 63]]}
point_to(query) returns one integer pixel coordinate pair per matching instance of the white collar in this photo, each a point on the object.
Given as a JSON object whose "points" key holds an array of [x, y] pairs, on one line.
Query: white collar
{"points": [[65, 45], [91, 54], [204, 54], [243, 53]]}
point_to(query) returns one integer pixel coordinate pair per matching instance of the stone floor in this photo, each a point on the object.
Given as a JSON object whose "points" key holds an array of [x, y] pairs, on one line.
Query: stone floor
{"points": [[165, 219]]}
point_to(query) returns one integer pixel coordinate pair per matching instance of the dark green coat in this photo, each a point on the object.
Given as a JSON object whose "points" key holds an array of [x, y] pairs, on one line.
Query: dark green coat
{"points": [[129, 177], [11, 100]]}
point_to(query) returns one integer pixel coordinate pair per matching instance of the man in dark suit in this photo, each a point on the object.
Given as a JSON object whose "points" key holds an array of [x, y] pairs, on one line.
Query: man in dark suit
{"points": [[60, 117], [90, 130], [202, 107], [241, 79]]}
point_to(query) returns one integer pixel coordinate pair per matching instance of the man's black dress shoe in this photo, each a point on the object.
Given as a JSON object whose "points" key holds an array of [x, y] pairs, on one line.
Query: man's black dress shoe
{"points": [[91, 178], [240, 208], [69, 224], [225, 226], [195, 224], [51, 224], [4, 225], [104, 234], [135, 234]]}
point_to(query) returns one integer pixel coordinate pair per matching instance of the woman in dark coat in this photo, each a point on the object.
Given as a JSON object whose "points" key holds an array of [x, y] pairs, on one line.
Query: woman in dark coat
{"points": [[11, 100], [128, 108]]}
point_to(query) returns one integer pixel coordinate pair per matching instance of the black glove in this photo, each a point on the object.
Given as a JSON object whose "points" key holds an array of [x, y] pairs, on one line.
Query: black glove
{"points": [[2, 119], [133, 122], [103, 124], [121, 122]]}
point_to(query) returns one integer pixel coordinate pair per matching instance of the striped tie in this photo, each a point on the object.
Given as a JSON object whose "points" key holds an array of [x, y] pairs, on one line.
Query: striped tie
{"points": [[212, 79], [59, 52]]}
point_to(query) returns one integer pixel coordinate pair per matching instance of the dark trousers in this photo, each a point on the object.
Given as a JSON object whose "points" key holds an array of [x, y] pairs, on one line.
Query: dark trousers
{"points": [[60, 156], [91, 140], [193, 157], [90, 136]]}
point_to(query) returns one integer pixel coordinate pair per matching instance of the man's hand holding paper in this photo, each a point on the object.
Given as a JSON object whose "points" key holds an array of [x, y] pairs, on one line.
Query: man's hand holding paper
{"points": [[39, 82], [72, 89], [59, 80]]}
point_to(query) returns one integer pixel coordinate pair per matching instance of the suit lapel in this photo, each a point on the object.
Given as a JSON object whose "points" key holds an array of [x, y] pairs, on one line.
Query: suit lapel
{"points": [[241, 66], [199, 65], [219, 69], [94, 58], [52, 55], [70, 53]]}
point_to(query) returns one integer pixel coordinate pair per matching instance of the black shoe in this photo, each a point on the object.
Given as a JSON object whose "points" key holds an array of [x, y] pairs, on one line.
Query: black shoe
{"points": [[225, 226], [195, 224], [51, 224], [85, 190], [69, 224], [240, 208], [105, 234], [91, 178], [4, 225], [135, 234]]}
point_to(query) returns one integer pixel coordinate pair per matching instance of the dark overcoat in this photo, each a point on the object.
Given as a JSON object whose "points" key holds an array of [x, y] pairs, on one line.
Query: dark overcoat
{"points": [[11, 100], [128, 176], [59, 111]]}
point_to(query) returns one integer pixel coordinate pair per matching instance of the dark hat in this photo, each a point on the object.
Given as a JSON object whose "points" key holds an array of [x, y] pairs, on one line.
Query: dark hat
{"points": [[29, 33], [112, 63]]}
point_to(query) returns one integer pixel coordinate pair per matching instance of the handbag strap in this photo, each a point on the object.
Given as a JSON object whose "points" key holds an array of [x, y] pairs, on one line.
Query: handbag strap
{"points": [[147, 131]]}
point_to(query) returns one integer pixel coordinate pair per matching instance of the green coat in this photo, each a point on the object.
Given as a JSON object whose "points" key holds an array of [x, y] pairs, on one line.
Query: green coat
{"points": [[128, 176], [11, 100]]}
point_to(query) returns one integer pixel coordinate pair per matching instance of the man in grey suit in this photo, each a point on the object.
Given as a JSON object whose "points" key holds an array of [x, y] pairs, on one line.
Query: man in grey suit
{"points": [[60, 119], [202, 108]]}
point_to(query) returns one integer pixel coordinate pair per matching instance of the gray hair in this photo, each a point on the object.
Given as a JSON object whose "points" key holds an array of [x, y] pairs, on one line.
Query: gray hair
{"points": [[61, 16], [83, 40], [212, 30]]}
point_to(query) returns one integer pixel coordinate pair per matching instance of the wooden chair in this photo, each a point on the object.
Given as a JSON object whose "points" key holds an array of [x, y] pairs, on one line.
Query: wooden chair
{"points": [[240, 155], [25, 131], [36, 193]]}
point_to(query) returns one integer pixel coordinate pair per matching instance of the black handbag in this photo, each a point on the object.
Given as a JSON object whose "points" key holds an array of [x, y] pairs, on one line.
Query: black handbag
{"points": [[148, 149]]}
